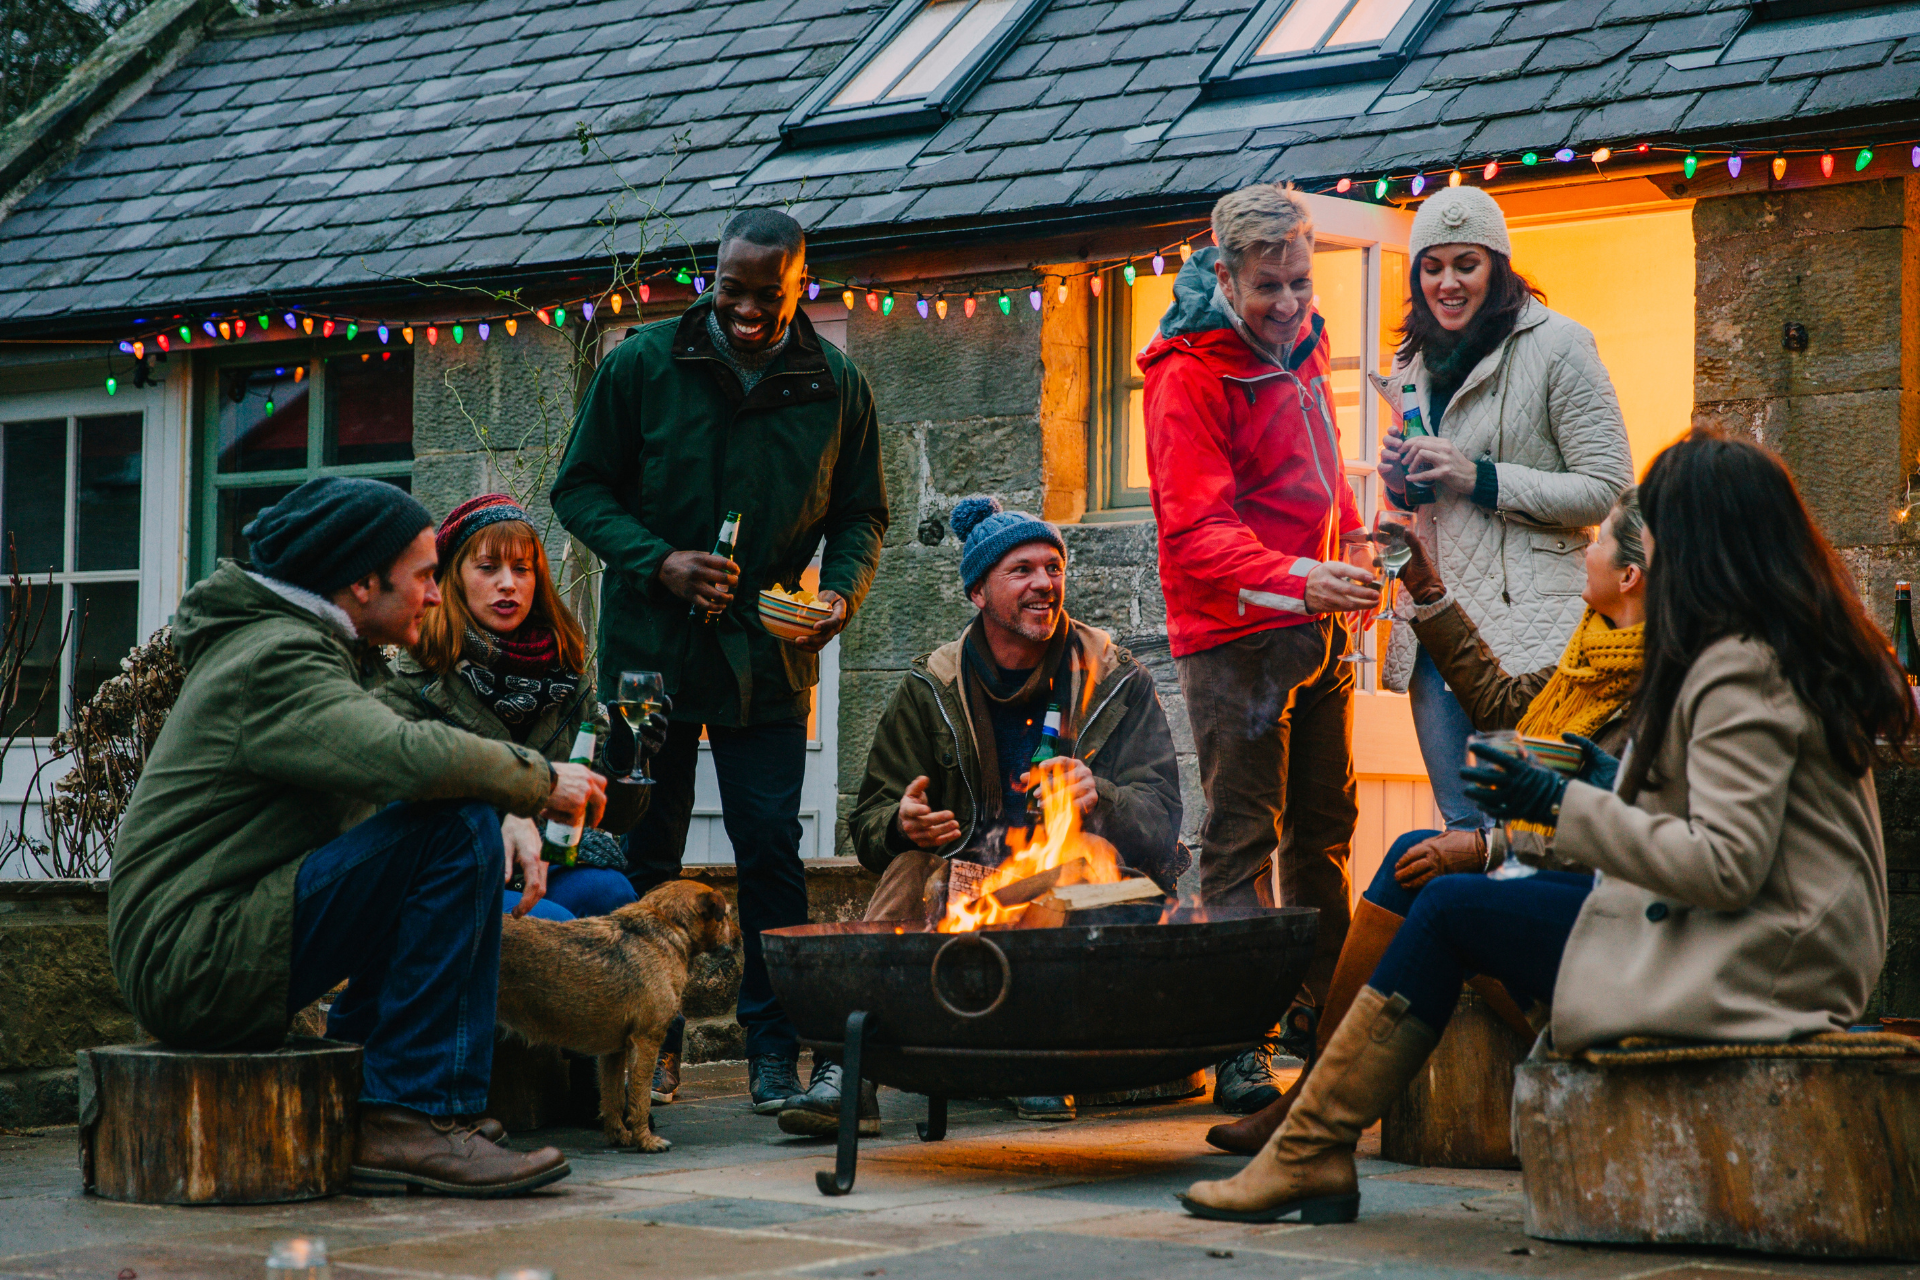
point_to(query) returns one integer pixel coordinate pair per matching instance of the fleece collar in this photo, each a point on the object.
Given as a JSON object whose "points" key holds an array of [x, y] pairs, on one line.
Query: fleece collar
{"points": [[317, 605]]}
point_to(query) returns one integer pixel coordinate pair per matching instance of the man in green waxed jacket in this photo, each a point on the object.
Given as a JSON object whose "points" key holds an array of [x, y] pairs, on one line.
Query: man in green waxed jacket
{"points": [[249, 878], [736, 406]]}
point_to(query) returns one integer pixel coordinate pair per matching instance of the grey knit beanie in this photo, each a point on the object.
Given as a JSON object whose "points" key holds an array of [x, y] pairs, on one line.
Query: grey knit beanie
{"points": [[330, 532], [987, 532], [1459, 215]]}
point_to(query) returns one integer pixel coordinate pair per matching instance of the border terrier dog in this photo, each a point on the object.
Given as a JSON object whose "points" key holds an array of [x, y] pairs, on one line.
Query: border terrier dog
{"points": [[609, 985]]}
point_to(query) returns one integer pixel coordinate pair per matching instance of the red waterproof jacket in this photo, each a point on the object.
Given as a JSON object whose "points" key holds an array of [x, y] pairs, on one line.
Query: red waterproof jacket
{"points": [[1248, 487]]}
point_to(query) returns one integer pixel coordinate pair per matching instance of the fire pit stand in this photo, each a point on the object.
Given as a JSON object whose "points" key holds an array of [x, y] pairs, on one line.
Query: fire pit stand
{"points": [[1074, 1009]]}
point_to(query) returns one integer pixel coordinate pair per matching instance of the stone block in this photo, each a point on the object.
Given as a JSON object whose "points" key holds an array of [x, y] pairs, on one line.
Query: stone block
{"points": [[445, 480], [903, 457], [713, 985], [719, 1039], [986, 455], [57, 990], [916, 605], [863, 696], [505, 393], [1804, 211], [941, 371], [1131, 543], [29, 1099]]}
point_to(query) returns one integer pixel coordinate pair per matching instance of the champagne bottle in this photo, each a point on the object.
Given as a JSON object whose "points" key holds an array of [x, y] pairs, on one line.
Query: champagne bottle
{"points": [[560, 842], [1048, 748], [1418, 495], [722, 546], [1906, 649]]}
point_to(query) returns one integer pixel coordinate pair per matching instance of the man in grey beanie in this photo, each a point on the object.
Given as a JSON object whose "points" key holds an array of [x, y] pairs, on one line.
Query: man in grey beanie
{"points": [[252, 872], [950, 766]]}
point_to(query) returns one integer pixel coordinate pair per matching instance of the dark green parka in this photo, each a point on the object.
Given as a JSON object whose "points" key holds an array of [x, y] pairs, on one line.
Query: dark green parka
{"points": [[276, 745], [664, 445]]}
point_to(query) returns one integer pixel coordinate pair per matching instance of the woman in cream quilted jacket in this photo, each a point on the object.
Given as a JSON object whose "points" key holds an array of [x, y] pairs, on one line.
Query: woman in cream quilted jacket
{"points": [[1526, 452]]}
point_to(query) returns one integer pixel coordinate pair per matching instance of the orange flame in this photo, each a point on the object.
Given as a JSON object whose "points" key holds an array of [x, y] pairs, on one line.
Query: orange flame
{"points": [[1058, 841]]}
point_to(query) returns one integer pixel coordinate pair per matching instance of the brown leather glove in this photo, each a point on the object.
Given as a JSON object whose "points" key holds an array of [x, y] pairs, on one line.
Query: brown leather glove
{"points": [[1447, 854], [1421, 575]]}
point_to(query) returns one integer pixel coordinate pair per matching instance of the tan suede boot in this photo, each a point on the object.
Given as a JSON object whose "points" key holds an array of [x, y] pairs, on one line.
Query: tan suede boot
{"points": [[1368, 938], [1307, 1167]]}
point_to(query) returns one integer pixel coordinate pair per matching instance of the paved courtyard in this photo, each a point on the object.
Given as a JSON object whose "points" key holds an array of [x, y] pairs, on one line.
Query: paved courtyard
{"points": [[999, 1197]]}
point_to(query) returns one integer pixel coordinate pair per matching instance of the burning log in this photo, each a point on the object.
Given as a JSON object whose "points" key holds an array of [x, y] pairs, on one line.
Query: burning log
{"points": [[1051, 910], [1058, 848]]}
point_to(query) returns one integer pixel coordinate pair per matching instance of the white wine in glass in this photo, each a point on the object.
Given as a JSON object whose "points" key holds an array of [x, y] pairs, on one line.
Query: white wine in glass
{"points": [[641, 694], [1391, 529]]}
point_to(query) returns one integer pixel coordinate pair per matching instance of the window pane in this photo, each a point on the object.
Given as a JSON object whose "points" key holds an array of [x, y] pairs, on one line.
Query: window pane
{"points": [[1338, 283], [1369, 22], [1393, 306], [238, 507], [1150, 297], [1301, 28], [35, 614], [914, 39], [107, 507], [961, 39], [1138, 475], [105, 617], [369, 410], [263, 419], [35, 495]]}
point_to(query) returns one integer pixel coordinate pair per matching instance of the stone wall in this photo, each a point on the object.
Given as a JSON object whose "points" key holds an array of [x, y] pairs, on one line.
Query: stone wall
{"points": [[998, 405], [1843, 261], [57, 994]]}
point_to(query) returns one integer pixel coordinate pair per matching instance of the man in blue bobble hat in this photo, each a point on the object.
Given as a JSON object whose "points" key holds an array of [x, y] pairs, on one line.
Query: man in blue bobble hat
{"points": [[949, 768]]}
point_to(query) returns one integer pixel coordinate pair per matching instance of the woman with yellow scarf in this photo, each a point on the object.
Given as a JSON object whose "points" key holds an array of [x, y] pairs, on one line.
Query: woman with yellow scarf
{"points": [[1583, 696]]}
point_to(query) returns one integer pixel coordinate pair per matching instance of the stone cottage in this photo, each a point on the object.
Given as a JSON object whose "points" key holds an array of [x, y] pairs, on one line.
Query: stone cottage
{"points": [[241, 251]]}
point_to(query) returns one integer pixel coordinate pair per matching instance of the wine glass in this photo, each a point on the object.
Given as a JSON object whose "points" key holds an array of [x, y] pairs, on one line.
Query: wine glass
{"points": [[1358, 551], [1509, 742], [641, 694], [1391, 531]]}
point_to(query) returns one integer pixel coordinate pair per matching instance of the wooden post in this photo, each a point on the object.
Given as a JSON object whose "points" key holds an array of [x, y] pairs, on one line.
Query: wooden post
{"points": [[164, 1126], [1454, 1114], [1811, 1156]]}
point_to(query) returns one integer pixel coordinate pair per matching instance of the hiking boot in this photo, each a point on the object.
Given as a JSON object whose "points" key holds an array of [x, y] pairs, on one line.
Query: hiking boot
{"points": [[772, 1083], [485, 1127], [816, 1113], [1039, 1108], [666, 1079], [402, 1152], [1245, 1083]]}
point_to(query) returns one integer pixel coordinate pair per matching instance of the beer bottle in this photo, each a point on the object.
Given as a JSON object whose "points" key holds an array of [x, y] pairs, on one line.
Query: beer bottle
{"points": [[1906, 649], [1418, 495], [722, 546], [1049, 748], [560, 842]]}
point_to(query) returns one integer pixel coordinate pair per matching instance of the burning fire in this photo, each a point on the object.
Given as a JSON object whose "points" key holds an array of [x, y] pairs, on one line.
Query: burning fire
{"points": [[1058, 843]]}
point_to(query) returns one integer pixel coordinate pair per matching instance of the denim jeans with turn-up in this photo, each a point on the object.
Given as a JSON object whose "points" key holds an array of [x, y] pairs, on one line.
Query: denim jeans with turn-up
{"points": [[406, 907]]}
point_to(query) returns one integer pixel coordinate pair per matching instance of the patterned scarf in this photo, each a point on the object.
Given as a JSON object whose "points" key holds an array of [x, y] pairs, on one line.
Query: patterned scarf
{"points": [[1594, 679], [518, 676]]}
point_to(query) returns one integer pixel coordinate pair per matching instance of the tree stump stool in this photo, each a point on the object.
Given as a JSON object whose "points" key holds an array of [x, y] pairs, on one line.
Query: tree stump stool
{"points": [[1801, 1155], [165, 1126], [1455, 1113]]}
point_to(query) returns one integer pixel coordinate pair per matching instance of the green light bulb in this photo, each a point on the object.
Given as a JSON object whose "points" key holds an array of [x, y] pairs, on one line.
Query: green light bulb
{"points": [[559, 316], [1862, 160], [186, 334], [269, 408], [886, 305], [1006, 305], [353, 331], [683, 276], [459, 334], [1532, 157], [113, 385], [1380, 189], [1691, 163], [1128, 274], [264, 324]]}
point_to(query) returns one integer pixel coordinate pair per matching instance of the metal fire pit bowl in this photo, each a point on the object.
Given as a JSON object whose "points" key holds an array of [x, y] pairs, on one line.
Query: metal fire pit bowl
{"points": [[1021, 1012]]}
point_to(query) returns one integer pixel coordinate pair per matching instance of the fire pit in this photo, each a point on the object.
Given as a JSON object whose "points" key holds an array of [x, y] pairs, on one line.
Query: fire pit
{"points": [[1011, 1011]]}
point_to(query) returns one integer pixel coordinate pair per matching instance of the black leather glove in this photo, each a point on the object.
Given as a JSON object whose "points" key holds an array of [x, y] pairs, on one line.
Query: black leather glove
{"points": [[623, 752], [653, 731], [1508, 787], [1597, 768]]}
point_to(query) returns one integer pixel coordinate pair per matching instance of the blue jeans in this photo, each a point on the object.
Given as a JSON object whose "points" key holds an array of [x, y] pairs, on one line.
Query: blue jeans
{"points": [[1441, 725], [761, 768], [1461, 925], [573, 892], [406, 907]]}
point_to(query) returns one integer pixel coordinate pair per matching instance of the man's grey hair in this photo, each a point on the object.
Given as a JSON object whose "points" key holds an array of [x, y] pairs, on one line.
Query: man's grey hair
{"points": [[1257, 220]]}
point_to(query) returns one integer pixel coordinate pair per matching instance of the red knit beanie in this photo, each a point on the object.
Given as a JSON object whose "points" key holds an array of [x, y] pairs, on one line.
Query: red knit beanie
{"points": [[469, 518]]}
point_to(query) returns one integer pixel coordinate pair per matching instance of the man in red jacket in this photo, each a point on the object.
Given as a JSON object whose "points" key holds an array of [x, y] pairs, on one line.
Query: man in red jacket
{"points": [[1253, 505]]}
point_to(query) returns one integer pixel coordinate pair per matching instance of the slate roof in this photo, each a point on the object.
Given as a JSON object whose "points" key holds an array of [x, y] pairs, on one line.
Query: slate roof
{"points": [[382, 142]]}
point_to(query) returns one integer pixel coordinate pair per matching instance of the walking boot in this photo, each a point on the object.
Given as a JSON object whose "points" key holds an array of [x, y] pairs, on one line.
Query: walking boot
{"points": [[773, 1082], [666, 1079], [816, 1113], [486, 1127], [402, 1152], [1306, 1168], [1368, 938]]}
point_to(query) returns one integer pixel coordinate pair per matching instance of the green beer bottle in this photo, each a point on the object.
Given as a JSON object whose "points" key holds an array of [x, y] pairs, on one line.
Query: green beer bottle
{"points": [[560, 842], [1048, 749], [1418, 495], [722, 546]]}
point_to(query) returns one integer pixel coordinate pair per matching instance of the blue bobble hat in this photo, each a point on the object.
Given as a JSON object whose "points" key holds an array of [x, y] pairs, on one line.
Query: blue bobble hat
{"points": [[987, 532]]}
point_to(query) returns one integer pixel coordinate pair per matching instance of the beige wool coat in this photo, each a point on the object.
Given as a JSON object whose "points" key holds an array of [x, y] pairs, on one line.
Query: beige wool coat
{"points": [[1743, 894], [1542, 408]]}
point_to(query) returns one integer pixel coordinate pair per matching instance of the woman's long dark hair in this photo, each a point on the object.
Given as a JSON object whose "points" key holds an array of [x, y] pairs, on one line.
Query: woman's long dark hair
{"points": [[1735, 553], [1507, 294]]}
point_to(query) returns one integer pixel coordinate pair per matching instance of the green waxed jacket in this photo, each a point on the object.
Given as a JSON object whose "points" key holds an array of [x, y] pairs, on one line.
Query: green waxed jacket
{"points": [[664, 445], [276, 745]]}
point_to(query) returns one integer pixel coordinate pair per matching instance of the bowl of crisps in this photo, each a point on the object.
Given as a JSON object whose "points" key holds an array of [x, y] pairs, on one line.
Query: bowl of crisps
{"points": [[791, 615]]}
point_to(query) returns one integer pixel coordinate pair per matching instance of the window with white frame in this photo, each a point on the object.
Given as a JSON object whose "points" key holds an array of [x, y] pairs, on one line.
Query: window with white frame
{"points": [[71, 489], [1304, 42]]}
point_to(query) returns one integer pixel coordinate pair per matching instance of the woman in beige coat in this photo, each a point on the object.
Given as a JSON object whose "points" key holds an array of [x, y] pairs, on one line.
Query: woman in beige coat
{"points": [[1525, 451], [1740, 889]]}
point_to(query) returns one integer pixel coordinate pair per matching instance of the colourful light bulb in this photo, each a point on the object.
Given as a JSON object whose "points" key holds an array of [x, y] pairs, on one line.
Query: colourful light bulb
{"points": [[1779, 168], [1603, 155], [586, 312], [486, 330], [299, 372], [513, 326], [326, 330], [699, 284], [186, 336], [1531, 158], [208, 326], [646, 291], [1380, 189], [226, 331], [683, 276], [291, 322], [1159, 265], [920, 304], [459, 335], [1455, 178], [1060, 295], [873, 301], [1095, 283], [269, 406], [1563, 155], [406, 332], [613, 300], [1419, 183], [239, 327], [559, 316], [543, 316], [308, 322], [1915, 156], [886, 305], [161, 338], [1690, 165], [813, 290], [1128, 274], [113, 385], [968, 307], [1186, 251], [1033, 296], [1343, 186], [1492, 170], [1733, 165], [940, 308], [139, 351], [1006, 305], [1826, 165], [353, 330], [846, 296], [1862, 160], [265, 323], [126, 348]]}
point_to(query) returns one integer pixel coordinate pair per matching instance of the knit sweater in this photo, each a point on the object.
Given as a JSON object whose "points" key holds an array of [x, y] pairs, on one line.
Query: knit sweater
{"points": [[748, 366]]}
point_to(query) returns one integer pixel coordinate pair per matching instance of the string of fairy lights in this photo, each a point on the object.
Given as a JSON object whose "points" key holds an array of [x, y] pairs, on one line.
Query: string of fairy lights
{"points": [[883, 297]]}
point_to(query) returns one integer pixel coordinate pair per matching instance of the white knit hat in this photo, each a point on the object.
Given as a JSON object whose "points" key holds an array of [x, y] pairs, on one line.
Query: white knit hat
{"points": [[1459, 215]]}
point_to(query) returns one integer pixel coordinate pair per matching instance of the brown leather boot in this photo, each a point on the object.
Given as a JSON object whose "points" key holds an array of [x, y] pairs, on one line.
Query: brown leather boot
{"points": [[486, 1127], [401, 1152], [1368, 938], [1307, 1167]]}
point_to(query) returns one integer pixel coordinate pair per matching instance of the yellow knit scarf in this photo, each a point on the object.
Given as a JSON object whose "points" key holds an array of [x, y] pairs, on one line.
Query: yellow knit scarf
{"points": [[1591, 683]]}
